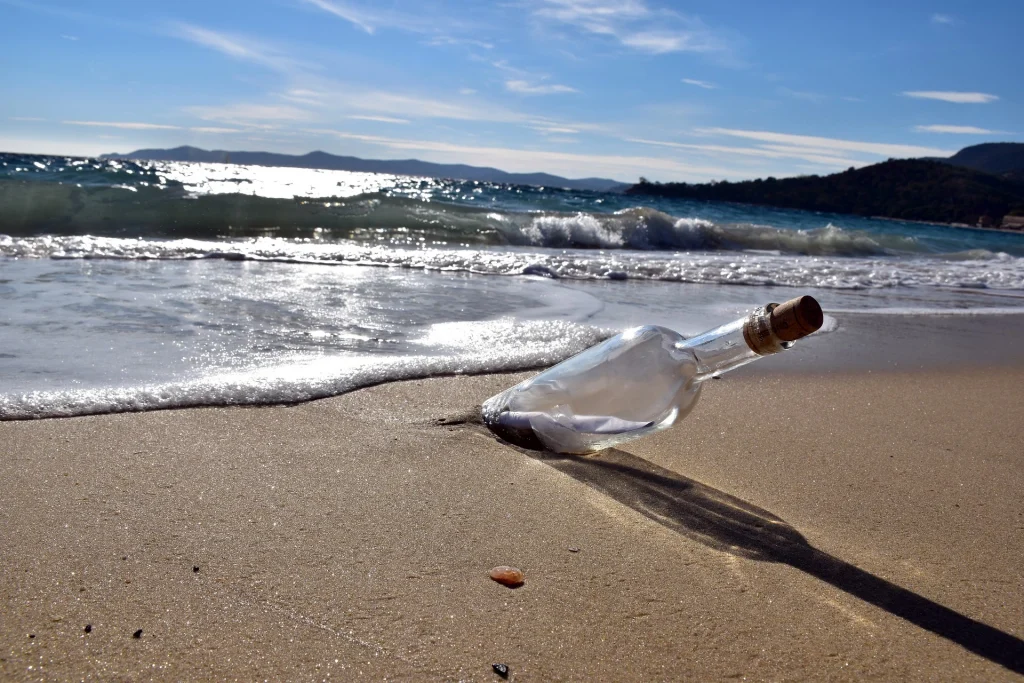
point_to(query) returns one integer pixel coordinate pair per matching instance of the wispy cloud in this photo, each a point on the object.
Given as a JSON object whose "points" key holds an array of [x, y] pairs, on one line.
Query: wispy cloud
{"points": [[952, 96], [303, 96], [370, 17], [527, 88], [66, 36], [237, 47], [438, 41], [563, 163], [765, 151], [942, 19], [661, 42], [830, 145], [633, 24], [127, 125], [958, 130], [343, 10], [816, 98], [555, 130], [135, 125], [25, 118], [248, 114], [503, 65], [415, 106], [215, 130], [327, 99], [381, 119], [700, 84]]}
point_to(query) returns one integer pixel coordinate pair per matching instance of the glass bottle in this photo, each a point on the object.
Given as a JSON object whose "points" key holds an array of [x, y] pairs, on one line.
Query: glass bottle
{"points": [[640, 381]]}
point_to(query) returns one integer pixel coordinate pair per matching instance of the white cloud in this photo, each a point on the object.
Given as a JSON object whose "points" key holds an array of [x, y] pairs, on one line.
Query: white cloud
{"points": [[467, 91], [765, 151], [236, 47], [65, 36], [503, 65], [961, 130], [126, 125], [562, 163], [952, 96], [439, 41], [344, 10], [303, 96], [414, 106], [813, 97], [830, 145], [942, 19], [371, 16], [633, 24], [700, 84], [327, 99], [595, 16], [134, 125], [527, 88], [246, 114], [381, 119], [660, 42], [25, 118], [555, 130]]}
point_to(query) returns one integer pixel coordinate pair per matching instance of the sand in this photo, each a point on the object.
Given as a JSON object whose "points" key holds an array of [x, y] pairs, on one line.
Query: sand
{"points": [[818, 527]]}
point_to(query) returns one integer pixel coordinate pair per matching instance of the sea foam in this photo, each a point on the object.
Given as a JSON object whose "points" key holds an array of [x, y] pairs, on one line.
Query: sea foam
{"points": [[459, 348], [977, 270]]}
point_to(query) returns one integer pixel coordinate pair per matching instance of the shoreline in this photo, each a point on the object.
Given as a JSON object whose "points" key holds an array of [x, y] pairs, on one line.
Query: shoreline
{"points": [[793, 526], [861, 342]]}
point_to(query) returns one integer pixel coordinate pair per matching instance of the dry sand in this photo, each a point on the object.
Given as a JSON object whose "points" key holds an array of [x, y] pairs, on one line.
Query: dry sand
{"points": [[793, 528]]}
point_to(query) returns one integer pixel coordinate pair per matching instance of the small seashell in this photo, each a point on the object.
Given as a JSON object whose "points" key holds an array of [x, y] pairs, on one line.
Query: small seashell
{"points": [[508, 576], [501, 670]]}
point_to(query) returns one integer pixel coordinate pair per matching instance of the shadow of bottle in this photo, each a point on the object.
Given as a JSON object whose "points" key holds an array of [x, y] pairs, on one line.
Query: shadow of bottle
{"points": [[726, 523]]}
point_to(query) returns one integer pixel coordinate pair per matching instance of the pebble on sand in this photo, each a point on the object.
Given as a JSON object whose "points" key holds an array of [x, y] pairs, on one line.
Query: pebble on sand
{"points": [[508, 576]]}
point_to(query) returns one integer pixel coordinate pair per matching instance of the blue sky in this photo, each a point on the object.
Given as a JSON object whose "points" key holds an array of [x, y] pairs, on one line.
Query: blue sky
{"points": [[615, 88]]}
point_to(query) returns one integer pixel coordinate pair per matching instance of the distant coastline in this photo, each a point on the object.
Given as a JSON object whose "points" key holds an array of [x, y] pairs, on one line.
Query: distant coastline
{"points": [[407, 167], [923, 190]]}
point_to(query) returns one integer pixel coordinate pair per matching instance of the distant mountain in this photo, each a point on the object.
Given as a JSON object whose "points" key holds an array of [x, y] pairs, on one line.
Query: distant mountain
{"points": [[991, 157], [1005, 159], [411, 167], [911, 189]]}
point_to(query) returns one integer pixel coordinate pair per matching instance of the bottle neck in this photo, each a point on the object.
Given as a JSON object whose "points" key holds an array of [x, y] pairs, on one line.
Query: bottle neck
{"points": [[734, 344]]}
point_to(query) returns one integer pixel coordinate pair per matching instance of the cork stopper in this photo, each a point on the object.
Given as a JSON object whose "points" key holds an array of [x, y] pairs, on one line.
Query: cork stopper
{"points": [[796, 318]]}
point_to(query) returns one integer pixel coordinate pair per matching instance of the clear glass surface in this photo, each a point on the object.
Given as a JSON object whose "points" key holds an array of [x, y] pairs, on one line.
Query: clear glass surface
{"points": [[635, 383]]}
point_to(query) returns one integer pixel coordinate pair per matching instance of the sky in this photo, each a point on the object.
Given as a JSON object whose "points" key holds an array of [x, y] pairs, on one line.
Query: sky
{"points": [[672, 91]]}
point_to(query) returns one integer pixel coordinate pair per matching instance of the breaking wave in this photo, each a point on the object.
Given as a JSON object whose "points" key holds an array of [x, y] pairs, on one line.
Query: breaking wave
{"points": [[983, 270], [29, 208]]}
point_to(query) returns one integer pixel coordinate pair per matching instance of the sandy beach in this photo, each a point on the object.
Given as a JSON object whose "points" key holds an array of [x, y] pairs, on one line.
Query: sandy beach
{"points": [[796, 527]]}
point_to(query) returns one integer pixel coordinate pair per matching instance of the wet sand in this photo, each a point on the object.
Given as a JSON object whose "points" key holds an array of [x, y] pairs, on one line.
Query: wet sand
{"points": [[798, 527]]}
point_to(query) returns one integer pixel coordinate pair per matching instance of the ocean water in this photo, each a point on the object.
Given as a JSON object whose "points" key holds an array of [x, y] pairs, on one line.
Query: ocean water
{"points": [[134, 286]]}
